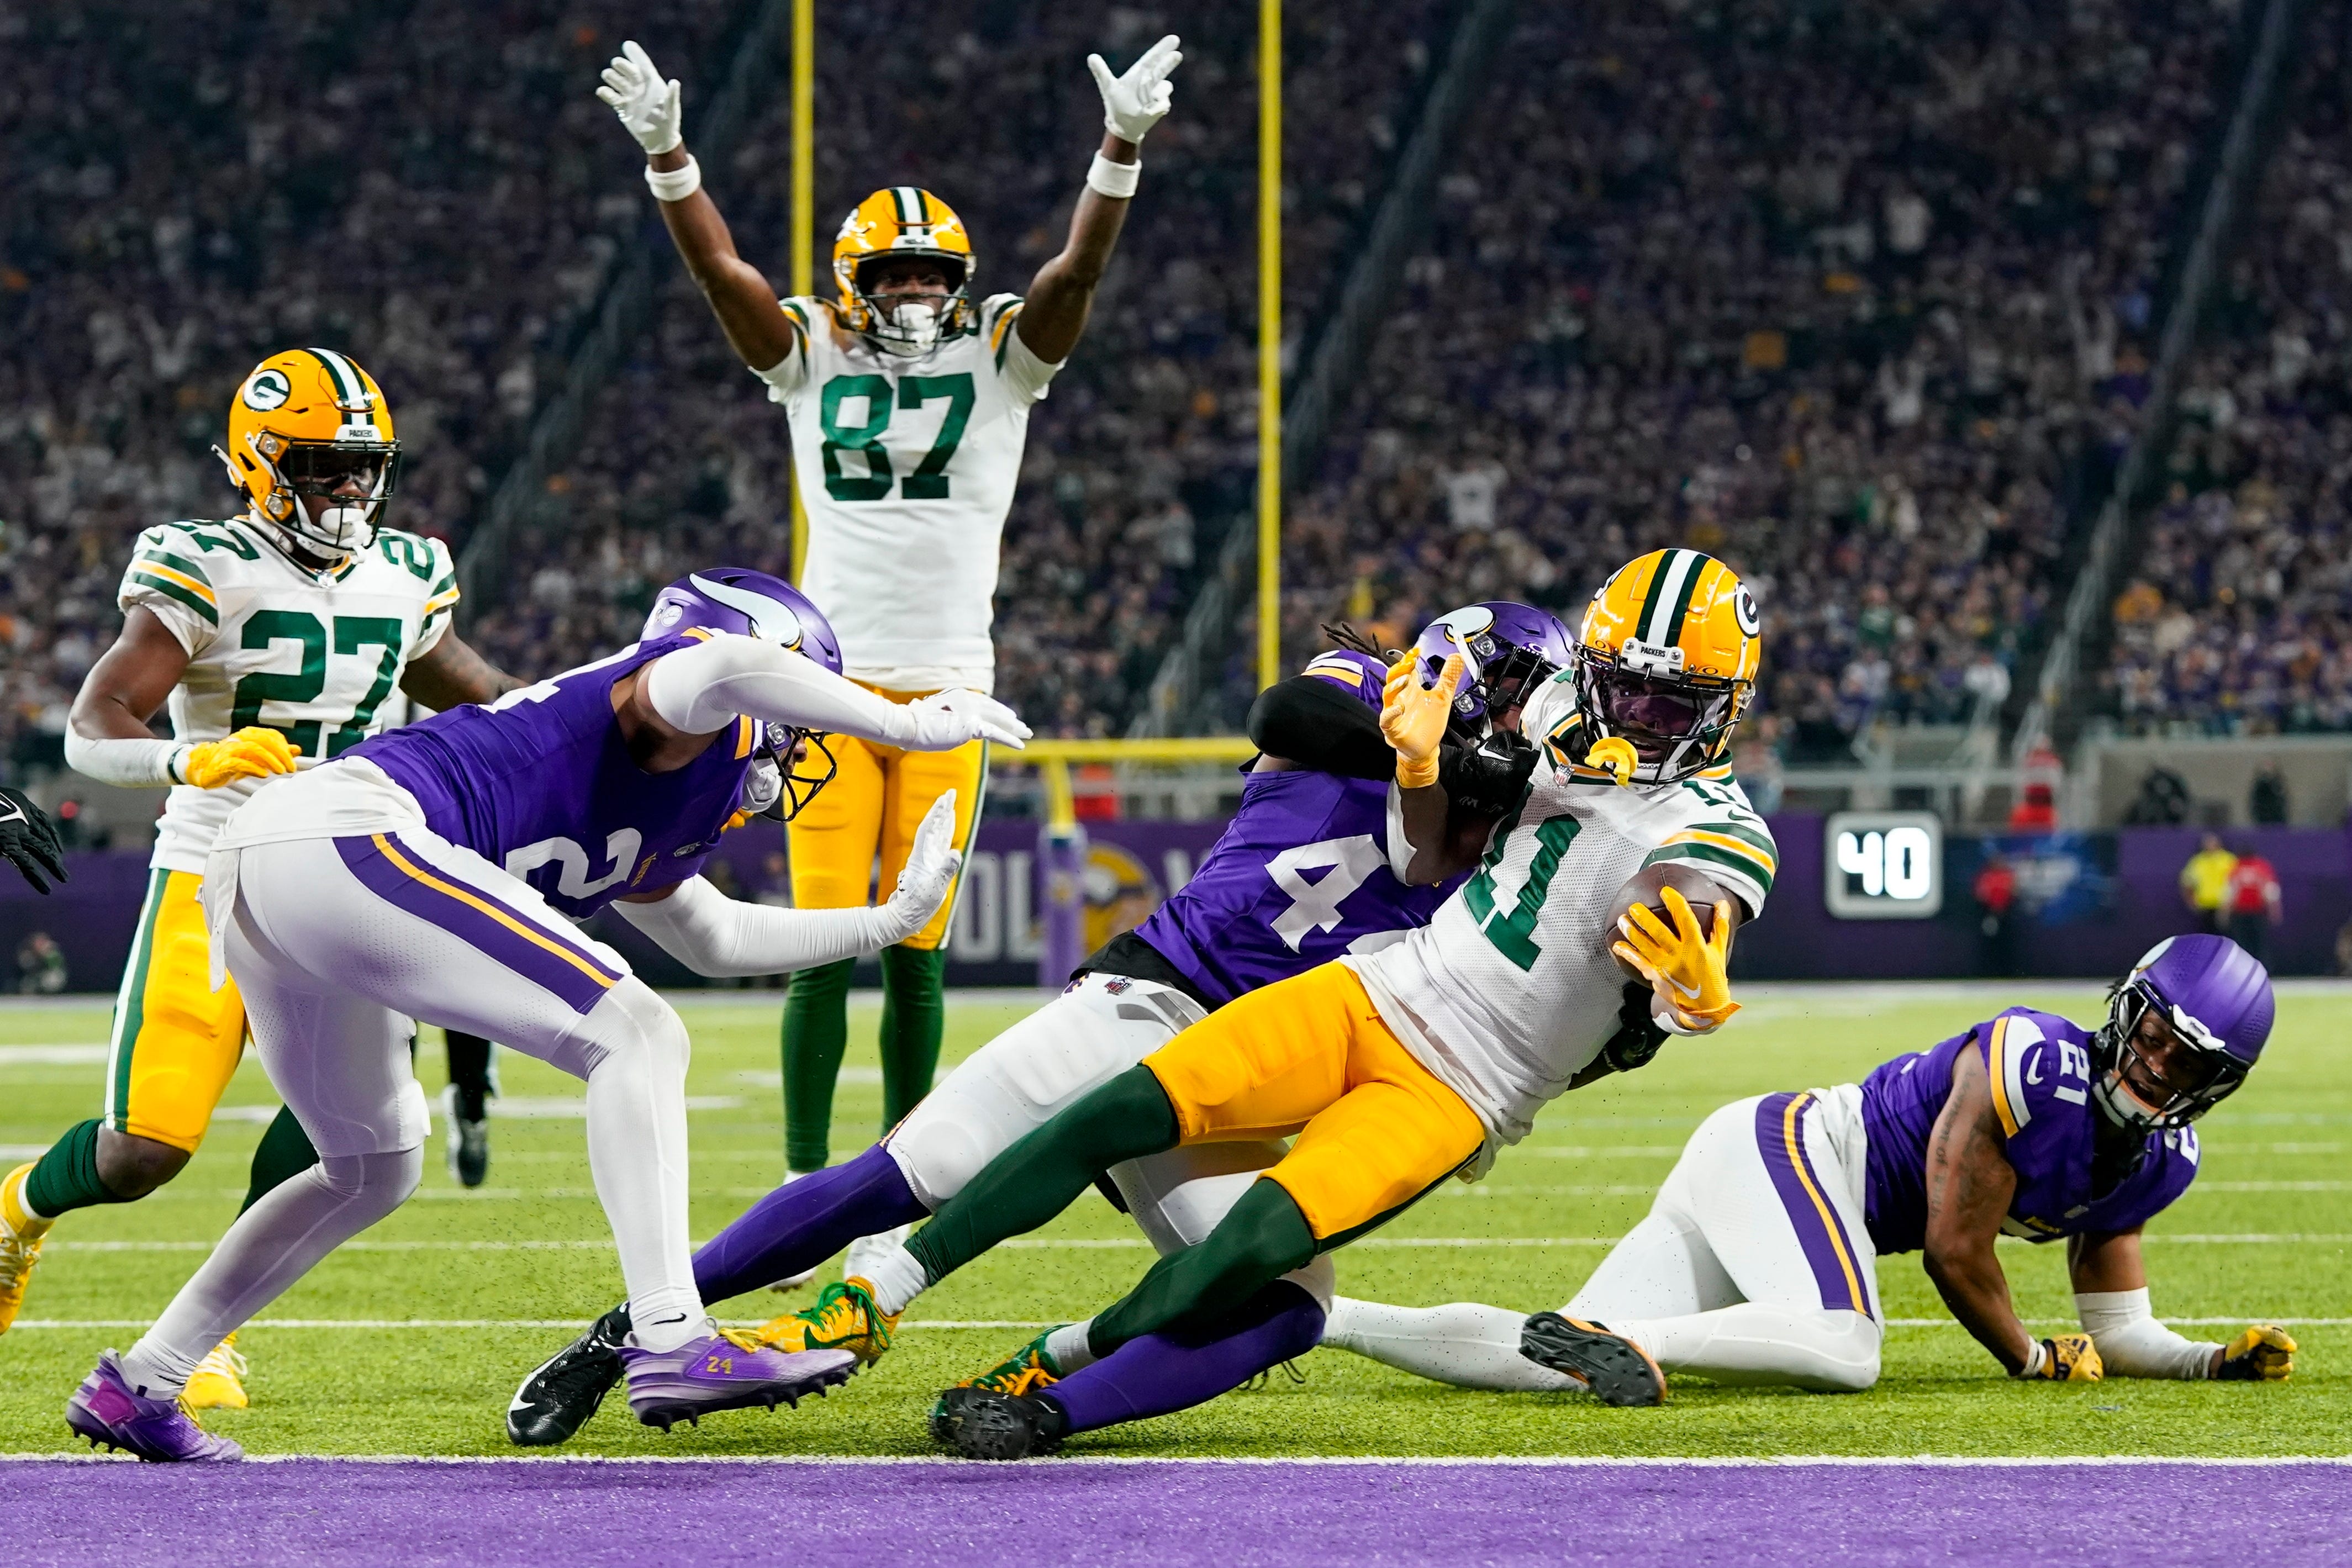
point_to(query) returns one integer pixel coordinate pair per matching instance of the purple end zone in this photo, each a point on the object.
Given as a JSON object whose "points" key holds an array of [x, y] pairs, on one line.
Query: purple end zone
{"points": [[710, 1514]]}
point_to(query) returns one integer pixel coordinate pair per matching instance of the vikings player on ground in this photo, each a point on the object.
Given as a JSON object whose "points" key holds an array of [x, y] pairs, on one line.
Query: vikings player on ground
{"points": [[1301, 876], [281, 638], [427, 874], [1757, 1262], [908, 406], [1400, 1068]]}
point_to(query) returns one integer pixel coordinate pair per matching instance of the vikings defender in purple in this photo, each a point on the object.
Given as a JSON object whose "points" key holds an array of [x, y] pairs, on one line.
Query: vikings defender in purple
{"points": [[420, 876], [1757, 1262], [1302, 875]]}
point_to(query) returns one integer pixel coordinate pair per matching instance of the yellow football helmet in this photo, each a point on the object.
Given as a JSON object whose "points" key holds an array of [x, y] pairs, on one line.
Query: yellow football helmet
{"points": [[1667, 659], [302, 423], [903, 221]]}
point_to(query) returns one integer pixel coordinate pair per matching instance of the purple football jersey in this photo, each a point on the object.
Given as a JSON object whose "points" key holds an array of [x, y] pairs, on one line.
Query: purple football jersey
{"points": [[542, 783], [1300, 877], [2039, 1067]]}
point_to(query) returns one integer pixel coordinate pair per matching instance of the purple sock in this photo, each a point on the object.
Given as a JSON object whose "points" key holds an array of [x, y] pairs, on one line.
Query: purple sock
{"points": [[1161, 1373], [804, 1222]]}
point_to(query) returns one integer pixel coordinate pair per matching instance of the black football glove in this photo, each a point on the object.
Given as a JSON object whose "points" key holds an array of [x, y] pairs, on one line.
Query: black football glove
{"points": [[2263, 1354], [1489, 780], [1638, 1035], [29, 840]]}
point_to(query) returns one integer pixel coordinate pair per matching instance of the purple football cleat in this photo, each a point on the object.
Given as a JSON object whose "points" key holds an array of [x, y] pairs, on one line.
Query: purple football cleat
{"points": [[717, 1373], [107, 1409]]}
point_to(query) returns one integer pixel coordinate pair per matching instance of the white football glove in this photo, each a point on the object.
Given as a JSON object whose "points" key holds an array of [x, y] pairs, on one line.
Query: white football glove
{"points": [[945, 720], [1134, 103], [649, 108], [930, 871]]}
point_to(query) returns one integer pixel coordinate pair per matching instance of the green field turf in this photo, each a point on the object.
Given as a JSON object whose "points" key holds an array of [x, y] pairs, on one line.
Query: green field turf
{"points": [[2263, 1233]]}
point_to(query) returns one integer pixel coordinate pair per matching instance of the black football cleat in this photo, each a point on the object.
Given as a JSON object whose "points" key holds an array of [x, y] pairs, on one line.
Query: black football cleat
{"points": [[1616, 1370], [558, 1398], [982, 1425]]}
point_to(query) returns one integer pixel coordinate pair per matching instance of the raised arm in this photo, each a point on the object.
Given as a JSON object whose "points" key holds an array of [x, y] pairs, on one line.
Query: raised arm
{"points": [[1064, 289], [699, 691], [652, 109]]}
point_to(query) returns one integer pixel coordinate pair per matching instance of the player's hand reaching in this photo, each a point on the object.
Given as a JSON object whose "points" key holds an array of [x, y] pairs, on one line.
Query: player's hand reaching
{"points": [[1688, 967], [256, 751], [1135, 102], [29, 841], [930, 870], [1412, 716], [945, 720], [650, 108], [2263, 1354], [2064, 1358]]}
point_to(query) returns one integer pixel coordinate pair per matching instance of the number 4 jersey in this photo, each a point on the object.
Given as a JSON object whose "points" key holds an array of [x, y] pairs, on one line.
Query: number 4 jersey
{"points": [[1511, 989], [907, 465], [317, 656]]}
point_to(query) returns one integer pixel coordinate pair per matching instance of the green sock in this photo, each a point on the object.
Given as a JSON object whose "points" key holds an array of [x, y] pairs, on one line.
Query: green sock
{"points": [[66, 1179], [284, 1153], [816, 1032], [914, 1014], [1260, 1240], [1042, 1173]]}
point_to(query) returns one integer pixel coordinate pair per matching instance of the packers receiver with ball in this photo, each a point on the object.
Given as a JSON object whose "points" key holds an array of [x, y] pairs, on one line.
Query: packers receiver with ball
{"points": [[908, 404], [280, 638]]}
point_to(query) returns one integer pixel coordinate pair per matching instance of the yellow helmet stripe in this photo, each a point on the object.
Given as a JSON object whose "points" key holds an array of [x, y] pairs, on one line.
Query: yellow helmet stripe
{"points": [[1661, 619]]}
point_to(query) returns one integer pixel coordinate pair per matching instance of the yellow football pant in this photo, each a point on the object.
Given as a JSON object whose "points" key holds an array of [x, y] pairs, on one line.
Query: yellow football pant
{"points": [[871, 810], [1310, 1055], [176, 1040]]}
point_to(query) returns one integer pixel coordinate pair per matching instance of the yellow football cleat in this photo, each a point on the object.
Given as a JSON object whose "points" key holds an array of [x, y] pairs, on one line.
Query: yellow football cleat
{"points": [[844, 1318], [20, 1243], [217, 1381]]}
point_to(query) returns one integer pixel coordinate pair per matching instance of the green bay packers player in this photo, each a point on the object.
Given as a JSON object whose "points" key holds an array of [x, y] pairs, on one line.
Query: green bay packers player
{"points": [[281, 638], [908, 404]]}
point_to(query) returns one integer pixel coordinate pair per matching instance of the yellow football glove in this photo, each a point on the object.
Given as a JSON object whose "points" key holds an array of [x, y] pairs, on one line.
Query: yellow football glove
{"points": [[2263, 1354], [1616, 754], [1413, 718], [256, 751], [1685, 966], [2065, 1358]]}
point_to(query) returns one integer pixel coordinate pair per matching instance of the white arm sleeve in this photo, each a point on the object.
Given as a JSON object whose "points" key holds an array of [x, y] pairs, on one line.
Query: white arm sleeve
{"points": [[723, 937], [114, 761], [701, 689], [2134, 1344]]}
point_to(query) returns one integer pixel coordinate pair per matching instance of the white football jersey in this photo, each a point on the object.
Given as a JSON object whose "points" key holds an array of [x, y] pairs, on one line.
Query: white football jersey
{"points": [[1511, 989], [318, 656], [906, 465]]}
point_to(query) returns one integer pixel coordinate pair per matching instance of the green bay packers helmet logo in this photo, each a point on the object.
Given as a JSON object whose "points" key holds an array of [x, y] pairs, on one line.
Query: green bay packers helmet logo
{"points": [[267, 390], [1743, 607]]}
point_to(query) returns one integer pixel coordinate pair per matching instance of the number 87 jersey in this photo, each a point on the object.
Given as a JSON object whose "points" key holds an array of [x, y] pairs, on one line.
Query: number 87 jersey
{"points": [[1511, 989], [317, 656]]}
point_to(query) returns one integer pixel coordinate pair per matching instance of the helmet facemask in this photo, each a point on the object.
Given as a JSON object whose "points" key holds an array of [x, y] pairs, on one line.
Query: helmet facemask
{"points": [[784, 776], [2116, 1057], [317, 470], [1680, 725], [909, 323]]}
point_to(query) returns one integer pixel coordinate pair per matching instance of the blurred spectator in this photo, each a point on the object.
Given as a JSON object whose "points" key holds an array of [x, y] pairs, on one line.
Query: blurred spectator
{"points": [[2343, 948], [2205, 880], [1996, 895], [2266, 801], [40, 965], [2251, 898], [2163, 800]]}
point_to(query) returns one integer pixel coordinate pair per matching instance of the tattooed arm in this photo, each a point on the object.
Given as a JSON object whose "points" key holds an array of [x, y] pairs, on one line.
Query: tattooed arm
{"points": [[452, 674], [1970, 1185]]}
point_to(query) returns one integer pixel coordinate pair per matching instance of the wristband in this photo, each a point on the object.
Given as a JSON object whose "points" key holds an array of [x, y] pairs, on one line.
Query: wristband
{"points": [[1117, 180], [2035, 1359], [675, 184], [126, 762]]}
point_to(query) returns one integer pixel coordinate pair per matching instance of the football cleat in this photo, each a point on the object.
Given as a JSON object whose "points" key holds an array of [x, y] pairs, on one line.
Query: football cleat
{"points": [[844, 1318], [726, 1372], [1615, 1369], [218, 1382], [107, 1409], [560, 1396], [1027, 1371], [20, 1243], [469, 1141], [980, 1423]]}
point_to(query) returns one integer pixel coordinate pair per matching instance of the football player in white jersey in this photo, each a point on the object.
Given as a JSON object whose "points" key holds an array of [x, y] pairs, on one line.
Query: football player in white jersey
{"points": [[908, 406], [281, 638]]}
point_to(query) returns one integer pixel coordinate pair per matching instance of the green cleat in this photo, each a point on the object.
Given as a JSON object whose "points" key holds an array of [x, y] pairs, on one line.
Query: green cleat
{"points": [[1027, 1371]]}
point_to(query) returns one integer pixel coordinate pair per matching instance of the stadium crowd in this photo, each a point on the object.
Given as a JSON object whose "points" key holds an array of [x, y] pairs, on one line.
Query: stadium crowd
{"points": [[2238, 617]]}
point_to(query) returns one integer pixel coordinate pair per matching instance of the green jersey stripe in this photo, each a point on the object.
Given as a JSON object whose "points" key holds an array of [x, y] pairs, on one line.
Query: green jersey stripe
{"points": [[177, 563], [1733, 830], [173, 589], [1747, 873]]}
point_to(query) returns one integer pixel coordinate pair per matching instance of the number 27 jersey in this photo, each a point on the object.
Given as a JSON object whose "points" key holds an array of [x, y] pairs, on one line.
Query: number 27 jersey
{"points": [[316, 656], [1511, 989]]}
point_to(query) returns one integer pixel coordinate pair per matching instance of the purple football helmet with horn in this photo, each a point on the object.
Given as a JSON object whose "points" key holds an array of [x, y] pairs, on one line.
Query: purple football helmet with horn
{"points": [[2217, 997], [1506, 649], [784, 775]]}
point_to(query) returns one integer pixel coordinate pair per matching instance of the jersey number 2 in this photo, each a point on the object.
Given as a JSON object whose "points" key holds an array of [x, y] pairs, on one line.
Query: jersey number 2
{"points": [[1514, 933], [267, 628], [929, 482]]}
